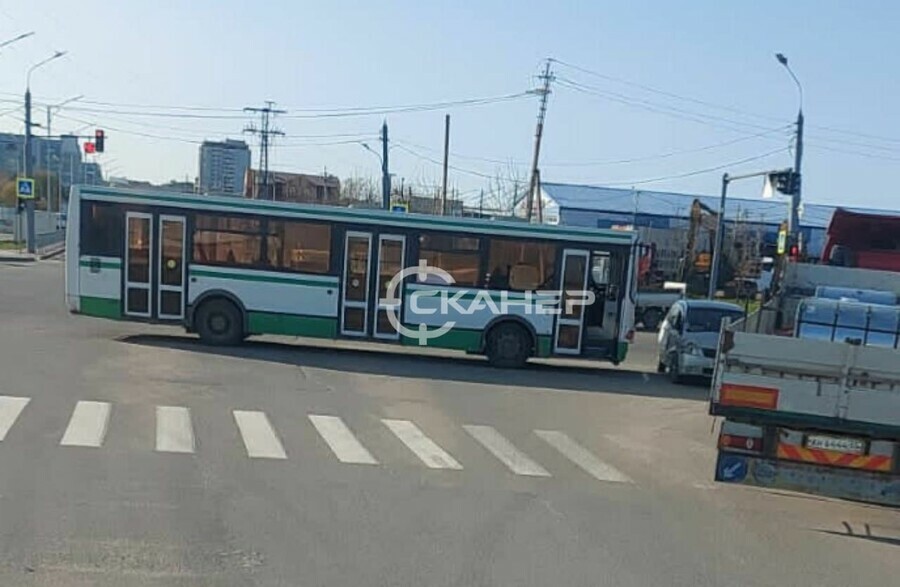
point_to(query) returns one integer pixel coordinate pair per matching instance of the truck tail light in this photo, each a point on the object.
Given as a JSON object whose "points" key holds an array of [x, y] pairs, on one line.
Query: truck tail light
{"points": [[747, 443], [629, 336]]}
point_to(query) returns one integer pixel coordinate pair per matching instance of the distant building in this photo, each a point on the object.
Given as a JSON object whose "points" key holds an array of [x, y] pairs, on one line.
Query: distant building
{"points": [[223, 166], [186, 187], [60, 156], [294, 187]]}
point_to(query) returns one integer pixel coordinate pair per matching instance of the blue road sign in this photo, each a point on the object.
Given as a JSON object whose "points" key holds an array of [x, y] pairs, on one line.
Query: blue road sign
{"points": [[25, 188], [732, 468]]}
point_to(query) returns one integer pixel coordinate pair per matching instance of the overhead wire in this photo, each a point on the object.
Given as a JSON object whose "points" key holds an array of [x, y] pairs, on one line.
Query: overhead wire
{"points": [[714, 105]]}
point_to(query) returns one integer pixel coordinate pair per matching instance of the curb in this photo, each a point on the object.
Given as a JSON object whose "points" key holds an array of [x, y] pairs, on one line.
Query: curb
{"points": [[31, 258]]}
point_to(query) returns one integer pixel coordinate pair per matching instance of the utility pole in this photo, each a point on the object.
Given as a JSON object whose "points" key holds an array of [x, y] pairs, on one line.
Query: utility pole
{"points": [[446, 158], [265, 132], [794, 218], [30, 235], [481, 204], [544, 92], [385, 169], [794, 227]]}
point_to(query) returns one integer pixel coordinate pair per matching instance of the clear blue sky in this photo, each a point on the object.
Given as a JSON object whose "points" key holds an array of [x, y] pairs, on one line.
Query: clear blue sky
{"points": [[304, 55]]}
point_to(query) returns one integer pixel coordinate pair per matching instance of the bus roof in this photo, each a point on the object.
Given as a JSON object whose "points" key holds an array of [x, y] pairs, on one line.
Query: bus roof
{"points": [[354, 215]]}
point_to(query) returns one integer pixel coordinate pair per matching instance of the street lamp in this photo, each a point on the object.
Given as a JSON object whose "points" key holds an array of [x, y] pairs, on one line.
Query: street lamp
{"points": [[373, 151], [50, 109], [16, 39], [29, 203], [794, 218]]}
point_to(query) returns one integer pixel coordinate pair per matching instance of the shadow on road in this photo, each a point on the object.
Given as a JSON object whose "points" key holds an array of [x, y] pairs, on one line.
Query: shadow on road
{"points": [[400, 362], [849, 533]]}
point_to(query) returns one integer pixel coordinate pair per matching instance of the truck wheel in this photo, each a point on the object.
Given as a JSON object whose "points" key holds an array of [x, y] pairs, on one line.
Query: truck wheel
{"points": [[651, 318], [219, 323], [508, 345]]}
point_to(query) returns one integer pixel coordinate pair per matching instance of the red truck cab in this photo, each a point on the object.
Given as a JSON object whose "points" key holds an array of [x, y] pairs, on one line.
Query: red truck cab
{"points": [[867, 241]]}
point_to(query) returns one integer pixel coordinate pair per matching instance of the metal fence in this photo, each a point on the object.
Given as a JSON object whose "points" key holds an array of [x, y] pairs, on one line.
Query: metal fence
{"points": [[44, 222]]}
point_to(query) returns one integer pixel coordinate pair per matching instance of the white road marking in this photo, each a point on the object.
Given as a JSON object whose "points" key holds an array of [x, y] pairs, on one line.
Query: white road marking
{"points": [[582, 457], [517, 461], [423, 447], [343, 444], [258, 435], [174, 432], [87, 426], [10, 408]]}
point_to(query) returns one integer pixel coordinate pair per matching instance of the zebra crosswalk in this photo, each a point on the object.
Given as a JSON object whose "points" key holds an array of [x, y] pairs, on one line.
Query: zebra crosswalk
{"points": [[89, 421]]}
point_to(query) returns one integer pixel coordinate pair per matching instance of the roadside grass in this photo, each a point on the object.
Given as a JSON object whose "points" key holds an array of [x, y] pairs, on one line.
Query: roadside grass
{"points": [[11, 246]]}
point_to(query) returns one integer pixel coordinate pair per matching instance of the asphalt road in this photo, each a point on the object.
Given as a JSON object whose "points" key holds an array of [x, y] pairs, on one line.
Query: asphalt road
{"points": [[232, 482]]}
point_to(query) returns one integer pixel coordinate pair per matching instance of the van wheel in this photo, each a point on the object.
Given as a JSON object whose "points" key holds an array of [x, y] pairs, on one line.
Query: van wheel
{"points": [[219, 322], [651, 318], [508, 345]]}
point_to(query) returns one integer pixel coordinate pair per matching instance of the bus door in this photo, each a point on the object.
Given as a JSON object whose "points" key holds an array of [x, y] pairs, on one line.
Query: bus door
{"points": [[570, 321], [356, 283], [171, 272], [370, 262], [390, 261], [138, 264], [154, 266]]}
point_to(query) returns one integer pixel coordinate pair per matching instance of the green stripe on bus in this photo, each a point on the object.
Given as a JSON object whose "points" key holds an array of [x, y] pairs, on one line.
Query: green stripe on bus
{"points": [[457, 339], [471, 294], [544, 345], [376, 217], [100, 307], [263, 278], [101, 264], [291, 324], [463, 339]]}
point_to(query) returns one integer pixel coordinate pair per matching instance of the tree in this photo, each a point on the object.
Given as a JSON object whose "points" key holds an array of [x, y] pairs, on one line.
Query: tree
{"points": [[8, 191], [506, 189], [361, 191]]}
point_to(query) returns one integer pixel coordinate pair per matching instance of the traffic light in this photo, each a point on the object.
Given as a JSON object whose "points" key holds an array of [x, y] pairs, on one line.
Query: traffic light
{"points": [[785, 182], [99, 139]]}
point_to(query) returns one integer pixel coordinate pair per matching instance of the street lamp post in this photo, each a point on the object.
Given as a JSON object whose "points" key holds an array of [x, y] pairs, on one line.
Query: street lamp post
{"points": [[385, 173], [794, 218], [29, 203], [50, 109]]}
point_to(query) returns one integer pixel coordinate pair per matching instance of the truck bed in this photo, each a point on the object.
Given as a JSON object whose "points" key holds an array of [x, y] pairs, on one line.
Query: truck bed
{"points": [[764, 378]]}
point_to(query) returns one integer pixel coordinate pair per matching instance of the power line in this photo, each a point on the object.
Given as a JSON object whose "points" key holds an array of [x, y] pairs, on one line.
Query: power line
{"points": [[713, 105], [441, 163], [659, 108], [266, 131], [698, 171]]}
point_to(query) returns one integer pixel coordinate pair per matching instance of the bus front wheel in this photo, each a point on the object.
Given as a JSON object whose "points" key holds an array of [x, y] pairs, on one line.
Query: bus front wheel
{"points": [[508, 345], [219, 323]]}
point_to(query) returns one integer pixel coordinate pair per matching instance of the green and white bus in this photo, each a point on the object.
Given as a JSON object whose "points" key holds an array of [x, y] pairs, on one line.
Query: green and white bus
{"points": [[229, 268]]}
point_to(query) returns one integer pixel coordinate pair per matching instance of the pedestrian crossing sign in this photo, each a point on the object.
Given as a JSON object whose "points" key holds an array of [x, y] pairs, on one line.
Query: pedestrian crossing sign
{"points": [[25, 188]]}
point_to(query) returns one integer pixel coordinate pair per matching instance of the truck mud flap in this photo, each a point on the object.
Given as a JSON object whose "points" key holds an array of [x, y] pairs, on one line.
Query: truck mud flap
{"points": [[742, 469]]}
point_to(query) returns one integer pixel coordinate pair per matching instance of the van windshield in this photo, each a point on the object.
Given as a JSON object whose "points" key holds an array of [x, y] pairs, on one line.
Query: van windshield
{"points": [[709, 319]]}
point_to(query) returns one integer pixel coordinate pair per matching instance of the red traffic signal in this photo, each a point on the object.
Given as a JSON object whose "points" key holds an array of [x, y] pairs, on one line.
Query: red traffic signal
{"points": [[99, 140], [90, 148]]}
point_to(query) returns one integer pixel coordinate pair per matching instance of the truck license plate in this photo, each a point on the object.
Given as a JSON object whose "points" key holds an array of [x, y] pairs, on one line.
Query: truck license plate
{"points": [[837, 444]]}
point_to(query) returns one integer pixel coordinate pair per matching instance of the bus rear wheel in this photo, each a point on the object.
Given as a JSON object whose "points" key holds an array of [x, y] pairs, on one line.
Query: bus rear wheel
{"points": [[219, 323], [508, 345]]}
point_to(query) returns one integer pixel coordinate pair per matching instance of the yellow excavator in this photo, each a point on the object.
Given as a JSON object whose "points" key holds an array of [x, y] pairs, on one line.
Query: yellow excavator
{"points": [[697, 259]]}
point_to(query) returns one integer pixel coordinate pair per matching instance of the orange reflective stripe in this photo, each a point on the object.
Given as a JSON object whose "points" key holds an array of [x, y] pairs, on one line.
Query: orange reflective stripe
{"points": [[750, 396], [829, 457]]}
